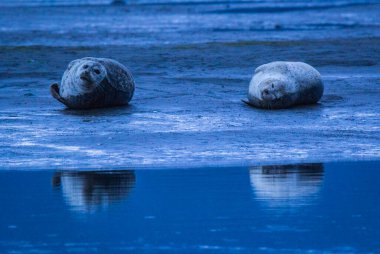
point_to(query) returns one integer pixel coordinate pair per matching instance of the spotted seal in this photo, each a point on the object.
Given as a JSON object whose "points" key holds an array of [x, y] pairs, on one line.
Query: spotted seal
{"points": [[279, 85], [93, 83]]}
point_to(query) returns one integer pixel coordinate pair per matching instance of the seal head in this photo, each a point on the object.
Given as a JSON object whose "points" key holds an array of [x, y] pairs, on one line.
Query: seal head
{"points": [[271, 90], [271, 93], [82, 77], [91, 75]]}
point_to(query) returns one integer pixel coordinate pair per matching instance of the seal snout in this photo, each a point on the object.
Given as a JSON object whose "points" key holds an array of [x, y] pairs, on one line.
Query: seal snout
{"points": [[271, 90], [268, 94], [90, 73], [85, 76]]}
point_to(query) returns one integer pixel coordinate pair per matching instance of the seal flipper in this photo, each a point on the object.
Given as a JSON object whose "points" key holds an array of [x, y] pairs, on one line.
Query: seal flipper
{"points": [[248, 103], [54, 90]]}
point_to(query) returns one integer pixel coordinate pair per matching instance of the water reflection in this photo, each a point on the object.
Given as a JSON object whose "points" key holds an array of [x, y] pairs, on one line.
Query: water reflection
{"points": [[89, 191], [287, 185]]}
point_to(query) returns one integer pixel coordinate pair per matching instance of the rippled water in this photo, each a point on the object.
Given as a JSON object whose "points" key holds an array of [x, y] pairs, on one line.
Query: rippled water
{"points": [[107, 2], [315, 208], [183, 22]]}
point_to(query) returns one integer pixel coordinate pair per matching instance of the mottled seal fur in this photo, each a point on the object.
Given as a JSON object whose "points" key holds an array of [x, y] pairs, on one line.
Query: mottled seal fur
{"points": [[93, 83], [279, 85]]}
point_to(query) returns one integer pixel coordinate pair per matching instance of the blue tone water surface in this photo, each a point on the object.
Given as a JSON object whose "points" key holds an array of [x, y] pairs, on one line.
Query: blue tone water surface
{"points": [[150, 22], [320, 208]]}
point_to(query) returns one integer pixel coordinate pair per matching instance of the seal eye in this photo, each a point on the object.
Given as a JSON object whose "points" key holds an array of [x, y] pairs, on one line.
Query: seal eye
{"points": [[85, 66], [272, 86], [97, 71]]}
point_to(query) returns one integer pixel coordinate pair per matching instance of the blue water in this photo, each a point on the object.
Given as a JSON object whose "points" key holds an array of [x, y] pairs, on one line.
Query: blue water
{"points": [[107, 2], [314, 208], [143, 22]]}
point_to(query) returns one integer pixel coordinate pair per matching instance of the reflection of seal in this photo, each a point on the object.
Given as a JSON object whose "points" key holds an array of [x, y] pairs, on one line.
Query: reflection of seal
{"points": [[85, 191], [287, 185], [94, 82], [284, 84]]}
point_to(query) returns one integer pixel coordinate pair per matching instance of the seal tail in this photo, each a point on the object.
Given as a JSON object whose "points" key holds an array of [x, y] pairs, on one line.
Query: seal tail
{"points": [[54, 90], [248, 103]]}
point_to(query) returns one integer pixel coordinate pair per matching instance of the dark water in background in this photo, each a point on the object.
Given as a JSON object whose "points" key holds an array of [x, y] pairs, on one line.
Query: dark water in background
{"points": [[73, 23], [319, 208]]}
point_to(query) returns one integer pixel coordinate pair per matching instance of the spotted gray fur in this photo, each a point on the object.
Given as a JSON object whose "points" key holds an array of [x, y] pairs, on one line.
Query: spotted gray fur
{"points": [[93, 83], [279, 85]]}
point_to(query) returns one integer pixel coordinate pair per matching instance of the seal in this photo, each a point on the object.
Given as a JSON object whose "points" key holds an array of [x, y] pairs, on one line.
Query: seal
{"points": [[279, 85], [94, 83]]}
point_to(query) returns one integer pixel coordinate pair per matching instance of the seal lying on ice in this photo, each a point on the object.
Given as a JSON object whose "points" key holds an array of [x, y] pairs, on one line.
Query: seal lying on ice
{"points": [[284, 84], [93, 83]]}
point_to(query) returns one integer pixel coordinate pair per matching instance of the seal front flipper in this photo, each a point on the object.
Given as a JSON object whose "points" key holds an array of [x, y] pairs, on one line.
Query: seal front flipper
{"points": [[54, 90]]}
